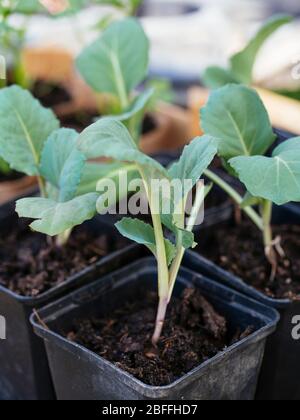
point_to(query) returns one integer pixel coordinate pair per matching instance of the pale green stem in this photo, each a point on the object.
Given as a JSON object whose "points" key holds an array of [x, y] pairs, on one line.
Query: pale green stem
{"points": [[180, 249], [120, 84], [251, 213], [63, 238], [42, 187], [266, 211], [161, 256]]}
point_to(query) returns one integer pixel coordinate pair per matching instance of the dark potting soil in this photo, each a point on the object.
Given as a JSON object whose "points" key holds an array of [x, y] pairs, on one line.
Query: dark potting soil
{"points": [[30, 264], [193, 333], [239, 249], [80, 120], [49, 94], [215, 199]]}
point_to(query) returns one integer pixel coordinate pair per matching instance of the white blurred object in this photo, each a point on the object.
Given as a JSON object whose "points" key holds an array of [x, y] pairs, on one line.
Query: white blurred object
{"points": [[278, 63]]}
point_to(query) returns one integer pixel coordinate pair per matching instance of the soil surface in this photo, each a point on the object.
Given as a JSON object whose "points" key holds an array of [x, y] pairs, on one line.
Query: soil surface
{"points": [[30, 264], [239, 249], [193, 333], [215, 198], [50, 95]]}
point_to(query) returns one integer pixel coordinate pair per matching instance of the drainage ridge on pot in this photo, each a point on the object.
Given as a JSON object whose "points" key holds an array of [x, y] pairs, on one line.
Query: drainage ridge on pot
{"points": [[81, 374], [24, 371], [280, 374]]}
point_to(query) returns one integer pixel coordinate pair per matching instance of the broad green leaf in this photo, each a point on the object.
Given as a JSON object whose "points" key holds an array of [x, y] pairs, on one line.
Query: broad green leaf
{"points": [[275, 178], [216, 77], [62, 163], [110, 138], [195, 158], [242, 63], [54, 218], [92, 173], [236, 116], [118, 61], [24, 127], [142, 233]]}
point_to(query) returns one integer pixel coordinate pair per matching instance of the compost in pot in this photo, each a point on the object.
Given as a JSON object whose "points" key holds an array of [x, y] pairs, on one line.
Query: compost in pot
{"points": [[194, 332], [31, 263], [236, 248]]}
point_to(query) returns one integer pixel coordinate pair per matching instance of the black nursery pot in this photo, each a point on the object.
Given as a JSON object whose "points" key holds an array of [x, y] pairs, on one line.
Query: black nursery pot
{"points": [[279, 379], [80, 374], [24, 370]]}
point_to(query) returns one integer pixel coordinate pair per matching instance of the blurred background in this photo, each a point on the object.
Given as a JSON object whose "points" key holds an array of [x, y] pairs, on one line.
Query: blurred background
{"points": [[188, 35]]}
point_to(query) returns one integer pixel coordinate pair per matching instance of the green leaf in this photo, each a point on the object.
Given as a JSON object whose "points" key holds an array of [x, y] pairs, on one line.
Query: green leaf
{"points": [[118, 61], [275, 178], [216, 77], [55, 218], [143, 233], [195, 158], [110, 138], [242, 63], [62, 163], [24, 127], [92, 173], [237, 117]]}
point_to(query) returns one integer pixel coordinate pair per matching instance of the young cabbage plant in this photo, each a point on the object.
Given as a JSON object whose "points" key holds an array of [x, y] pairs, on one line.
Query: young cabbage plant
{"points": [[111, 139], [237, 117], [242, 63], [32, 143], [115, 65]]}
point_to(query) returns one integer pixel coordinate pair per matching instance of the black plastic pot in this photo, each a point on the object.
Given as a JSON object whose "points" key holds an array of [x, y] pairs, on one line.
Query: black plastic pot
{"points": [[80, 374], [280, 374], [24, 371]]}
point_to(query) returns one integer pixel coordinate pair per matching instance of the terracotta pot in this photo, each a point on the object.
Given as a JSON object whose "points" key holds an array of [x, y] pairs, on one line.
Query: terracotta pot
{"points": [[50, 64], [12, 189], [196, 99]]}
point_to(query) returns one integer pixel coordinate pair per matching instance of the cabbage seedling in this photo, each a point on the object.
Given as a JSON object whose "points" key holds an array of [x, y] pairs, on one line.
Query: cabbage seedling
{"points": [[111, 139], [32, 143], [114, 65], [242, 63], [237, 117]]}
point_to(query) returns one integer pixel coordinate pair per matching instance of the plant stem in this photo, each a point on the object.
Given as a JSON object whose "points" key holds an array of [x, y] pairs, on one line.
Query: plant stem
{"points": [[42, 187], [63, 238], [267, 216], [120, 84], [252, 214], [161, 256], [180, 249], [266, 211]]}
